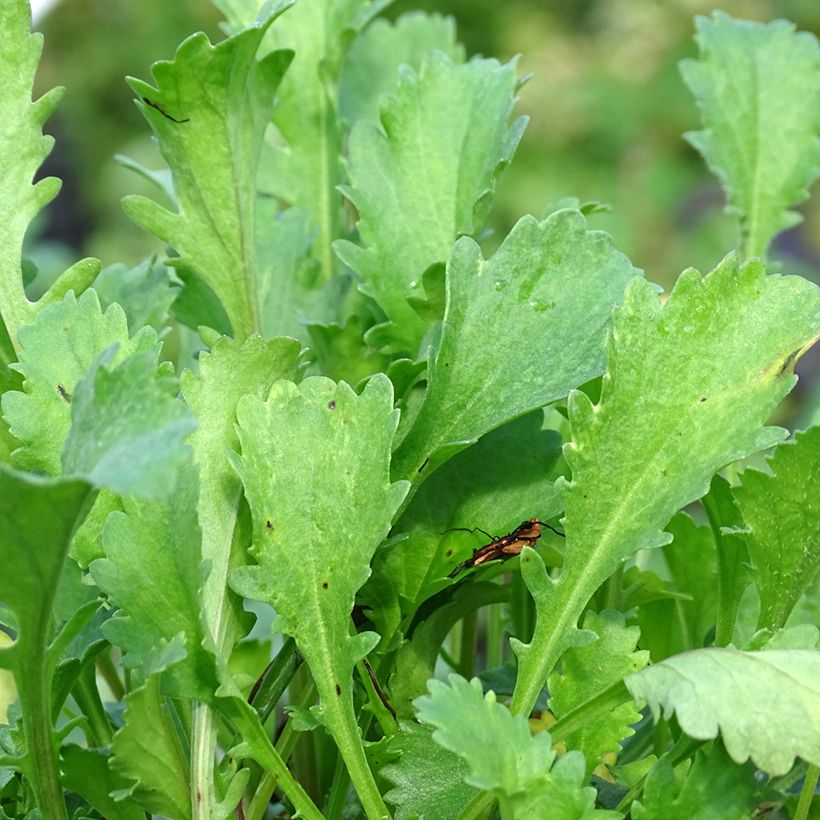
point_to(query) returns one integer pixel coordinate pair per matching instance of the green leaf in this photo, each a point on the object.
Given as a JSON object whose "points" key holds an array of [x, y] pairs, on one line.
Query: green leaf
{"points": [[758, 89], [713, 786], [86, 772], [782, 513], [373, 60], [732, 556], [342, 353], [209, 113], [156, 588], [503, 756], [587, 671], [227, 373], [425, 177], [128, 426], [428, 779], [23, 147], [146, 751], [56, 351], [144, 292], [544, 299], [669, 626], [306, 171], [37, 518], [315, 466], [688, 389], [766, 705], [483, 486]]}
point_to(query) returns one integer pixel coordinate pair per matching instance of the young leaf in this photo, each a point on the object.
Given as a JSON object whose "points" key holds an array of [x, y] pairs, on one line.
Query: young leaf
{"points": [[688, 388], [127, 427], [227, 373], [56, 351], [315, 466], [731, 692], [544, 299], [782, 514], [156, 588], [429, 780], [587, 671], [37, 518], [209, 113], [373, 60], [23, 147], [425, 177], [146, 751], [307, 170], [713, 781], [758, 89], [503, 756], [144, 292]]}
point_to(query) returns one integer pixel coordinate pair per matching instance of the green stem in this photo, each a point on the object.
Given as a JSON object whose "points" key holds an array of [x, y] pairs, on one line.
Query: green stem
{"points": [[43, 768], [589, 711], [338, 792], [495, 637], [468, 640], [341, 720], [87, 698], [108, 671], [807, 793], [284, 748], [386, 719], [203, 750], [479, 807], [613, 588]]}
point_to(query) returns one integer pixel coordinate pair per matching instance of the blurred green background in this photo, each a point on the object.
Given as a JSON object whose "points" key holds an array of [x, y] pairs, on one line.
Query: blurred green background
{"points": [[606, 103]]}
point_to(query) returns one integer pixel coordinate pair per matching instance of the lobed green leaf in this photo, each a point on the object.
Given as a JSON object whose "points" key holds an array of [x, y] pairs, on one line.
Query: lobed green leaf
{"points": [[758, 89], [738, 694], [209, 113], [425, 177], [544, 299], [781, 510], [688, 388]]}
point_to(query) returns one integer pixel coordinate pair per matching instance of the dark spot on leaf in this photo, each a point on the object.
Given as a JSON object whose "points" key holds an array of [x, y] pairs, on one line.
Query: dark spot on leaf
{"points": [[448, 554], [703, 398], [269, 525], [64, 394], [331, 405], [426, 461], [338, 690], [325, 585]]}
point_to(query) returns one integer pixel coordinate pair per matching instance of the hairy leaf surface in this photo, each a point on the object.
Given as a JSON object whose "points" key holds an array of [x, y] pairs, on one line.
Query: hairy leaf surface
{"points": [[503, 757], [373, 60], [209, 113], [157, 588], [758, 89], [688, 388], [56, 351], [734, 693], [425, 177], [543, 300], [315, 466], [128, 426], [782, 513]]}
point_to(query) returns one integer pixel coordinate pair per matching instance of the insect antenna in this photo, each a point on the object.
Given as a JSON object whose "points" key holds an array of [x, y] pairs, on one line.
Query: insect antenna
{"points": [[551, 528], [474, 529]]}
